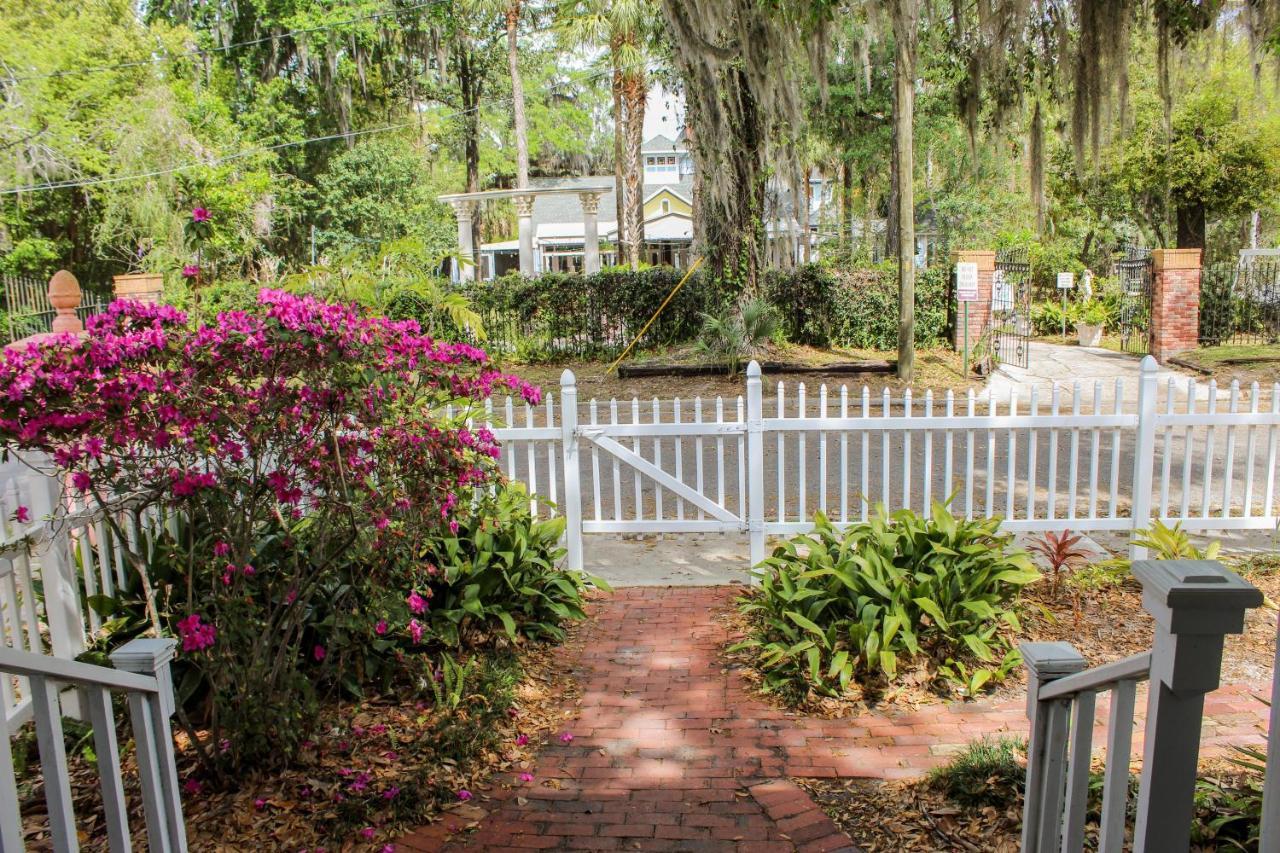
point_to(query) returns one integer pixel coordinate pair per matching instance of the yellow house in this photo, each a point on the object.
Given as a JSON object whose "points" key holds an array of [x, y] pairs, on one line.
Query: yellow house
{"points": [[666, 200]]}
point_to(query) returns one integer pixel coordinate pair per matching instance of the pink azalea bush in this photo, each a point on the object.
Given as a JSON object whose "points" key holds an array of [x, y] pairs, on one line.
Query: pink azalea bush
{"points": [[303, 457]]}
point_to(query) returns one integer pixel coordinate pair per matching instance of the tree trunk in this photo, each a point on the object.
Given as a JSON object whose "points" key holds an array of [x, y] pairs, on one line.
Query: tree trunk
{"points": [[634, 94], [619, 119], [846, 207], [904, 25], [469, 91], [517, 97], [1191, 226]]}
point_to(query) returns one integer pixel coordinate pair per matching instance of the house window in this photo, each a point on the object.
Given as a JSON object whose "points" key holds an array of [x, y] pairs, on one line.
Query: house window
{"points": [[666, 206]]}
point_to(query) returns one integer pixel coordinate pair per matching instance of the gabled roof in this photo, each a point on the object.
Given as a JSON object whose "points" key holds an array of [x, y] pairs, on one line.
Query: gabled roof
{"points": [[659, 189], [661, 145]]}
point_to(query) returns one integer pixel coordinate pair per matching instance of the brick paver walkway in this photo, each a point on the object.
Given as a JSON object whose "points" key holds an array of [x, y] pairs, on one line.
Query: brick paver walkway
{"points": [[671, 752]]}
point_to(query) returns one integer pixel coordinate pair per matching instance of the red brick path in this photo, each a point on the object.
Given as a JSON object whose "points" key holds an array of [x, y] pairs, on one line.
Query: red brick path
{"points": [[671, 752]]}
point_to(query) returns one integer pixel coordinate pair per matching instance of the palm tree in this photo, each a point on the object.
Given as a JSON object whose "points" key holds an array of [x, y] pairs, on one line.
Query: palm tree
{"points": [[627, 27], [517, 95]]}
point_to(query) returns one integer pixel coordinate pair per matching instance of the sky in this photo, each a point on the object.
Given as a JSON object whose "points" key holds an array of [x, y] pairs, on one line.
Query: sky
{"points": [[663, 113]]}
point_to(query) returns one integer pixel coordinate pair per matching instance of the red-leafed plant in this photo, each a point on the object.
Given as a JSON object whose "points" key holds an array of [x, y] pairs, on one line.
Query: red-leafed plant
{"points": [[1063, 553]]}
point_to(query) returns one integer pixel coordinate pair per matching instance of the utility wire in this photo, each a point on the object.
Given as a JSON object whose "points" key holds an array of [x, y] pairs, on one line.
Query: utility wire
{"points": [[200, 51], [240, 155]]}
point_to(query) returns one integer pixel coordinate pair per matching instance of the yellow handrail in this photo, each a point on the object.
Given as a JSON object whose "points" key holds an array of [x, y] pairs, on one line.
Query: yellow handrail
{"points": [[697, 263]]}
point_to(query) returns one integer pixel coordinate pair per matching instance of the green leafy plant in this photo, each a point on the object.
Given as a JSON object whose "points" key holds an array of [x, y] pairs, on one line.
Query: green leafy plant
{"points": [[731, 337], [833, 605], [498, 572], [1173, 543], [989, 772], [1091, 312]]}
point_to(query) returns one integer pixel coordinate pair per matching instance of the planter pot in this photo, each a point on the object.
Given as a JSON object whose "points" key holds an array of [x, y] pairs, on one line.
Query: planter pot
{"points": [[1090, 336], [140, 286]]}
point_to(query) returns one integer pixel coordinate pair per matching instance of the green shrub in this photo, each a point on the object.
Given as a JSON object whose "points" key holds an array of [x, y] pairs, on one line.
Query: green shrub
{"points": [[833, 605], [988, 773], [1046, 318], [730, 337], [498, 573], [865, 308]]}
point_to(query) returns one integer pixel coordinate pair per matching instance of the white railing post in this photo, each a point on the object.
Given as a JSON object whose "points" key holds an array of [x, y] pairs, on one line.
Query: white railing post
{"points": [[755, 463], [1194, 604], [569, 457], [1144, 452], [1270, 837], [157, 767], [1047, 747]]}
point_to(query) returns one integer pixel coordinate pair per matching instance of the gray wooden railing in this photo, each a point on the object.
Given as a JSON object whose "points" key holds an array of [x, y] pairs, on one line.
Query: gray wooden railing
{"points": [[142, 673], [1195, 604]]}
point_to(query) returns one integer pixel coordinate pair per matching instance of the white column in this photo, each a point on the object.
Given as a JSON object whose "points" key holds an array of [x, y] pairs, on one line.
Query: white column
{"points": [[524, 218], [590, 232], [755, 464], [465, 209]]}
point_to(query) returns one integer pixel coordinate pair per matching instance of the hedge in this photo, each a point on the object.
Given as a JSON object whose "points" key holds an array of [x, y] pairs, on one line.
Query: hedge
{"points": [[560, 315]]}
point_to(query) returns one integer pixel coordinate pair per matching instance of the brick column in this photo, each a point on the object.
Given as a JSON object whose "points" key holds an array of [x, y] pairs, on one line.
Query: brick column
{"points": [[980, 311], [1175, 301]]}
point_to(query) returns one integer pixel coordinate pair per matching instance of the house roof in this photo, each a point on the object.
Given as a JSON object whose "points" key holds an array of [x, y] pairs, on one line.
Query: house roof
{"points": [[660, 144], [568, 209]]}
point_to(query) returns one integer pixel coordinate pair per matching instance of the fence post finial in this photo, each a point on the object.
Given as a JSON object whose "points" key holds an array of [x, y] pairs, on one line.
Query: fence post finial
{"points": [[1047, 746], [64, 296], [1194, 603]]}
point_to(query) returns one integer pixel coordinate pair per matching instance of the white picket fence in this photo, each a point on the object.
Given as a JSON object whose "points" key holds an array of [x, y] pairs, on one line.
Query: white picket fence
{"points": [[1084, 458]]}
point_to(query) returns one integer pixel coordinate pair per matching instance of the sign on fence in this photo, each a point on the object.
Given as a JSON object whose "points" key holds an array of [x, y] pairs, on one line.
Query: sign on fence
{"points": [[1066, 280]]}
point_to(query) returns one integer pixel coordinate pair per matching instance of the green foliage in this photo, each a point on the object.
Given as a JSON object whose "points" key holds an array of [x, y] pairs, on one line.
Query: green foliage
{"points": [[1173, 543], [1046, 318], [836, 605], [1229, 807], [498, 574], [733, 336], [988, 773], [865, 308]]}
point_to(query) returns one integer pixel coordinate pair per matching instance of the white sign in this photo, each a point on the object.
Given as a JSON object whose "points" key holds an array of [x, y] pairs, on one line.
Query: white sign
{"points": [[966, 282], [1066, 280]]}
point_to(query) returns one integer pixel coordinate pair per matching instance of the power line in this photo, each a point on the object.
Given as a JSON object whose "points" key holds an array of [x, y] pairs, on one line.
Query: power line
{"points": [[240, 155], [200, 51]]}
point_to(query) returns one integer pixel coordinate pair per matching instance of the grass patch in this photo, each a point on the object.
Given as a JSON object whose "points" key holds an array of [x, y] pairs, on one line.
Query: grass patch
{"points": [[1245, 363], [990, 772]]}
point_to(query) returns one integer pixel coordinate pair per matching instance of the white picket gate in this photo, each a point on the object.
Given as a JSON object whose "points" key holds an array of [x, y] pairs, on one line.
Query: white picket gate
{"points": [[1084, 458]]}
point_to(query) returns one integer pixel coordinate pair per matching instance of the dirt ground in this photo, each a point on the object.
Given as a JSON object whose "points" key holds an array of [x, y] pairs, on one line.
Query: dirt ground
{"points": [[939, 369]]}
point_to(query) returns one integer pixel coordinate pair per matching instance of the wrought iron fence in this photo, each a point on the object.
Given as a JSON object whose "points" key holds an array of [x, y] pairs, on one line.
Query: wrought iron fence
{"points": [[1134, 271], [1240, 303]]}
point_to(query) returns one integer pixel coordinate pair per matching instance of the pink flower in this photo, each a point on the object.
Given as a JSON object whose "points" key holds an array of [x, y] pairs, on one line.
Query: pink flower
{"points": [[191, 786], [199, 214], [464, 795], [81, 481], [318, 652], [453, 527], [22, 515], [221, 549], [415, 630], [522, 740], [388, 848], [526, 777], [390, 793], [259, 804], [566, 738], [417, 604], [367, 833], [191, 270], [196, 636], [381, 627]]}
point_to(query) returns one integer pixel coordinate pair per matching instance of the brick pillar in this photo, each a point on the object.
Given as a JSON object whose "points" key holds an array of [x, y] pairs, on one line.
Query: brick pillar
{"points": [[1175, 301], [980, 311]]}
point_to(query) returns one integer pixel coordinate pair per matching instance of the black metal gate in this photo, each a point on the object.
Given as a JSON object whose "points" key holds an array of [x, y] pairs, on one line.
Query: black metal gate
{"points": [[1134, 273], [1240, 303], [1010, 330]]}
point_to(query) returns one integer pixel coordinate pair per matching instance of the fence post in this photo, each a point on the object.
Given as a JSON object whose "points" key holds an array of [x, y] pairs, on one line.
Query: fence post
{"points": [[755, 463], [157, 768], [1270, 837], [1144, 452], [1194, 604], [1047, 747], [62, 606], [569, 456]]}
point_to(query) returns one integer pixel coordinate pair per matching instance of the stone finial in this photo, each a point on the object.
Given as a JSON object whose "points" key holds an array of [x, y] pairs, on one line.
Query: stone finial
{"points": [[64, 296], [463, 208], [524, 205]]}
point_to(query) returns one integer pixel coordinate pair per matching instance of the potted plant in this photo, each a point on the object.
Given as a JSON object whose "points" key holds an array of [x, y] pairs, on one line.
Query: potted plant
{"points": [[1090, 318]]}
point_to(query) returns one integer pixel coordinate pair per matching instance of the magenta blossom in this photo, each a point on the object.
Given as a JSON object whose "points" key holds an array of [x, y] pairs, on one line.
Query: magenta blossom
{"points": [[196, 635], [522, 740], [191, 271], [416, 630], [566, 738], [368, 833], [22, 515], [526, 777], [417, 604], [199, 214], [381, 627], [464, 795], [319, 652]]}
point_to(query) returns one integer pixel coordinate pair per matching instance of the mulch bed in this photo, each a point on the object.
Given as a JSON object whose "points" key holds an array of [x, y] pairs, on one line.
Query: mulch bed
{"points": [[349, 779]]}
